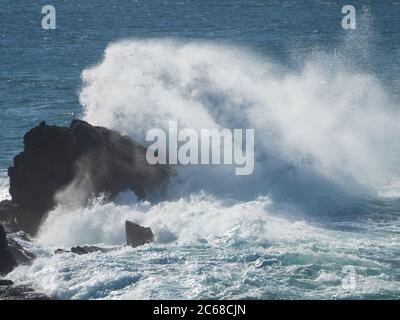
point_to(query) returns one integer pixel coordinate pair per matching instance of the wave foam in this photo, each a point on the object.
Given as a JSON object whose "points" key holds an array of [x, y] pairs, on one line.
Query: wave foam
{"points": [[319, 130], [4, 186]]}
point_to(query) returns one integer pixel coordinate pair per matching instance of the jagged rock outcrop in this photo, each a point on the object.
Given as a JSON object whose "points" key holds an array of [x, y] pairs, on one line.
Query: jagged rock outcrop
{"points": [[12, 254], [80, 160], [7, 259], [20, 254], [11, 291], [137, 235]]}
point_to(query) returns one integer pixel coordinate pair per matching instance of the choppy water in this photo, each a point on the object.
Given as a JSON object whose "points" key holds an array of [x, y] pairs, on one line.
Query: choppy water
{"points": [[324, 106]]}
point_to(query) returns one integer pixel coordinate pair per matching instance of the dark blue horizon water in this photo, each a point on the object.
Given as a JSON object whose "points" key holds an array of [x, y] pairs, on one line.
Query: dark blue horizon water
{"points": [[40, 69]]}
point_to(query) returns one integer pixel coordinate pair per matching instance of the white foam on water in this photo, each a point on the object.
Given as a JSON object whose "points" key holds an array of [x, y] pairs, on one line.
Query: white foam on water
{"points": [[4, 186], [324, 122], [205, 248]]}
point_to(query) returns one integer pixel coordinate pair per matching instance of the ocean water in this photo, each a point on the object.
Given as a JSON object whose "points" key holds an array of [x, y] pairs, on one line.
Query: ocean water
{"points": [[325, 195]]}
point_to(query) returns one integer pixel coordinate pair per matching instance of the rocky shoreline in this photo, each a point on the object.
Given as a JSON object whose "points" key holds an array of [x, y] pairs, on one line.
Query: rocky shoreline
{"points": [[75, 163], [11, 291], [13, 254]]}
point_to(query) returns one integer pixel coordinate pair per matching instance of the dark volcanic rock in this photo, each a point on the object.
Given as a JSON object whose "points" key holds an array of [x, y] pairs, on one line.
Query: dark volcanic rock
{"points": [[21, 255], [7, 260], [11, 213], [11, 255], [90, 160], [4, 282], [87, 249], [3, 238], [60, 251], [17, 292], [83, 250], [137, 235]]}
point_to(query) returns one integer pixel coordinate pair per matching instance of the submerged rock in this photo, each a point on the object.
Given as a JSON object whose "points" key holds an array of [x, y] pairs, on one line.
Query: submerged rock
{"points": [[137, 235], [5, 282], [82, 250], [81, 160]]}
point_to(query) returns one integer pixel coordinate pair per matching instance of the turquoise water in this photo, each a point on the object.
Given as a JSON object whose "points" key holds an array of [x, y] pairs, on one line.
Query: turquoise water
{"points": [[324, 105]]}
